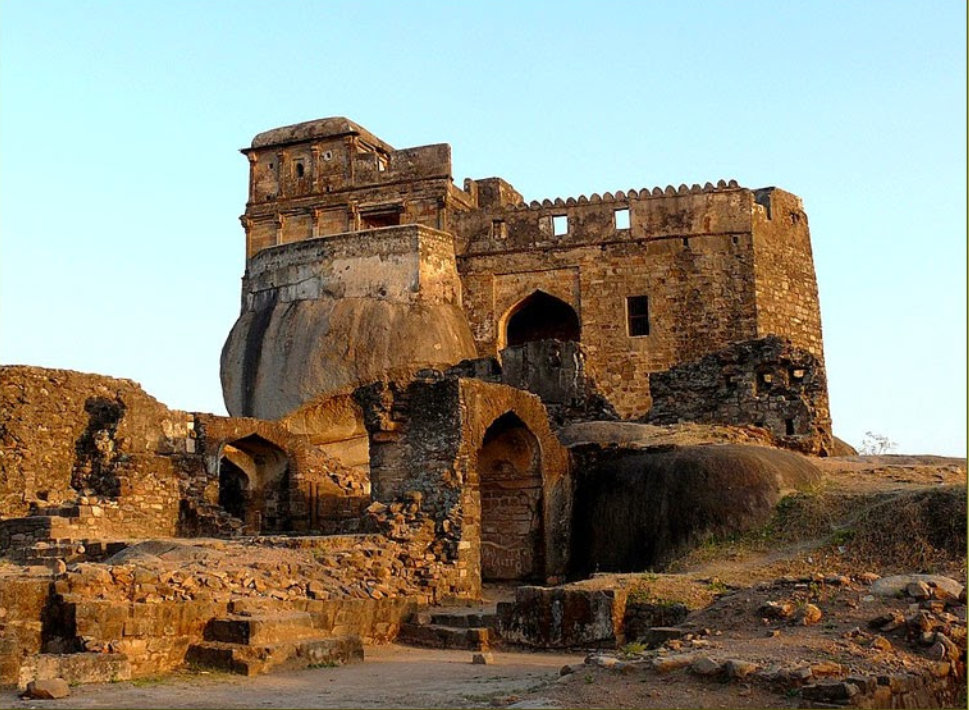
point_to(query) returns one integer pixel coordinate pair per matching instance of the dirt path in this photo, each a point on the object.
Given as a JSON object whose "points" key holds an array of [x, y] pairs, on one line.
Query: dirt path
{"points": [[391, 677]]}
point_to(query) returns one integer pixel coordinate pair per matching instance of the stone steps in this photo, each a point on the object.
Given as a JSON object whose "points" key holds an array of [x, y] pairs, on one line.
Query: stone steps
{"points": [[470, 620], [457, 629], [261, 629], [288, 655], [450, 637]]}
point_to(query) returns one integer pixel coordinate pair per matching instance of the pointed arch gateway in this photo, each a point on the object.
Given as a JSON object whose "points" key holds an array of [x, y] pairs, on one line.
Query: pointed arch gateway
{"points": [[540, 316], [254, 480]]}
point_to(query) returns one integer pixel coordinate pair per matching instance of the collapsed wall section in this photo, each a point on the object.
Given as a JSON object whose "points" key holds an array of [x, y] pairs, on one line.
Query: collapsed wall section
{"points": [[68, 435], [488, 476], [768, 382]]}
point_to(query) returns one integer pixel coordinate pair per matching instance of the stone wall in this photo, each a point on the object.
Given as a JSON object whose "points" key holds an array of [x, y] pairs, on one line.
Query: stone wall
{"points": [[67, 434], [308, 491], [766, 382], [653, 277], [440, 457], [785, 282], [332, 176], [86, 458], [22, 603], [689, 254]]}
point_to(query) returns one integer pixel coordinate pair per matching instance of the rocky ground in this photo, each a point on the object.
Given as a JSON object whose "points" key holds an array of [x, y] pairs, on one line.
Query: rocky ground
{"points": [[806, 602]]}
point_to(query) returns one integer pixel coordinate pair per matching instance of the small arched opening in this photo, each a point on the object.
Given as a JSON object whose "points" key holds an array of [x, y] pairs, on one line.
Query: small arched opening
{"points": [[541, 317], [254, 484], [510, 485]]}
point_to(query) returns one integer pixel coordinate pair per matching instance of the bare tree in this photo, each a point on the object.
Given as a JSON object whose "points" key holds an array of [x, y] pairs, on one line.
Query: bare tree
{"points": [[875, 444]]}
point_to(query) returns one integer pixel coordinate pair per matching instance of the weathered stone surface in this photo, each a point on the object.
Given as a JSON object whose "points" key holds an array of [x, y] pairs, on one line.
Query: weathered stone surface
{"points": [[766, 382], [711, 266], [319, 317], [634, 509], [562, 617], [896, 585], [48, 689]]}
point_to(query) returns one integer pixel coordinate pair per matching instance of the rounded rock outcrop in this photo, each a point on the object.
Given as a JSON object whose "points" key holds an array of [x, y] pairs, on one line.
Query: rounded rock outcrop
{"points": [[638, 509], [289, 353], [326, 315]]}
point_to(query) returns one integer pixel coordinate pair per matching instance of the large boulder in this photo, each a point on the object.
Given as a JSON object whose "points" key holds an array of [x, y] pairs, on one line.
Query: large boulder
{"points": [[286, 354], [635, 510]]}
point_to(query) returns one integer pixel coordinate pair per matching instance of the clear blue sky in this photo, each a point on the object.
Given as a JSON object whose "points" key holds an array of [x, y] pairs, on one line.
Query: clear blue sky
{"points": [[121, 184]]}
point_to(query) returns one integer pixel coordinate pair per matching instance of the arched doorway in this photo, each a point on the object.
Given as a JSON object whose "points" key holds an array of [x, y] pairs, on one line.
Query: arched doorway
{"points": [[541, 317], [254, 484], [510, 485]]}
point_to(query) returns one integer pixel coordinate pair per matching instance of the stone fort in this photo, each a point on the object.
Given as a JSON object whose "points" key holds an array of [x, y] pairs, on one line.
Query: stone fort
{"points": [[429, 387], [363, 259]]}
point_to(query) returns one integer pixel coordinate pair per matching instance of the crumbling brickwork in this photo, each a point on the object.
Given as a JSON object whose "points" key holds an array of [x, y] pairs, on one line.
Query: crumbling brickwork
{"points": [[68, 434], [434, 440], [768, 382]]}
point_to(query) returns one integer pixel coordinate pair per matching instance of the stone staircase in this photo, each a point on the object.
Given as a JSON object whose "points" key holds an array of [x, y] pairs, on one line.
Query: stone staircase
{"points": [[472, 630], [249, 644]]}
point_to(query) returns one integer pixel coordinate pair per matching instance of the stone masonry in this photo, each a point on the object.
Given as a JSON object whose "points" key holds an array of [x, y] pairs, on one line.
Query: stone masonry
{"points": [[342, 228]]}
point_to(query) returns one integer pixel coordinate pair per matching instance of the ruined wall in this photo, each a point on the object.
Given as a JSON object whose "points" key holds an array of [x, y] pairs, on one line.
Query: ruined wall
{"points": [[321, 315], [689, 253], [766, 382], [312, 492], [435, 458], [67, 435]]}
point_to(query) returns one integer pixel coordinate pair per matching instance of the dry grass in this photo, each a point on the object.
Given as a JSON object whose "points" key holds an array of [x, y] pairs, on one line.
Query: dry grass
{"points": [[921, 531]]}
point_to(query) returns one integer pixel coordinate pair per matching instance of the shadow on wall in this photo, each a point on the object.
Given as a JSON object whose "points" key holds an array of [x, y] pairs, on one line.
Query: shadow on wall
{"points": [[635, 510], [541, 317]]}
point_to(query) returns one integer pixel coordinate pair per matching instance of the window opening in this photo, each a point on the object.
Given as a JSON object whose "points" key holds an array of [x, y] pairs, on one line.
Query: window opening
{"points": [[637, 313], [375, 220], [560, 225], [789, 427], [300, 170], [499, 229], [622, 218]]}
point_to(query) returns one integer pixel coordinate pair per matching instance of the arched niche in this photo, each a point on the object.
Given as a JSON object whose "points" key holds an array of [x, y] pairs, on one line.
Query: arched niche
{"points": [[540, 316], [254, 484], [510, 487]]}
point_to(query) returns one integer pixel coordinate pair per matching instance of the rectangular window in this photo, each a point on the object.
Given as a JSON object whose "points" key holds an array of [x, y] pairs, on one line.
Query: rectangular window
{"points": [[622, 218], [498, 229], [637, 314], [560, 225]]}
